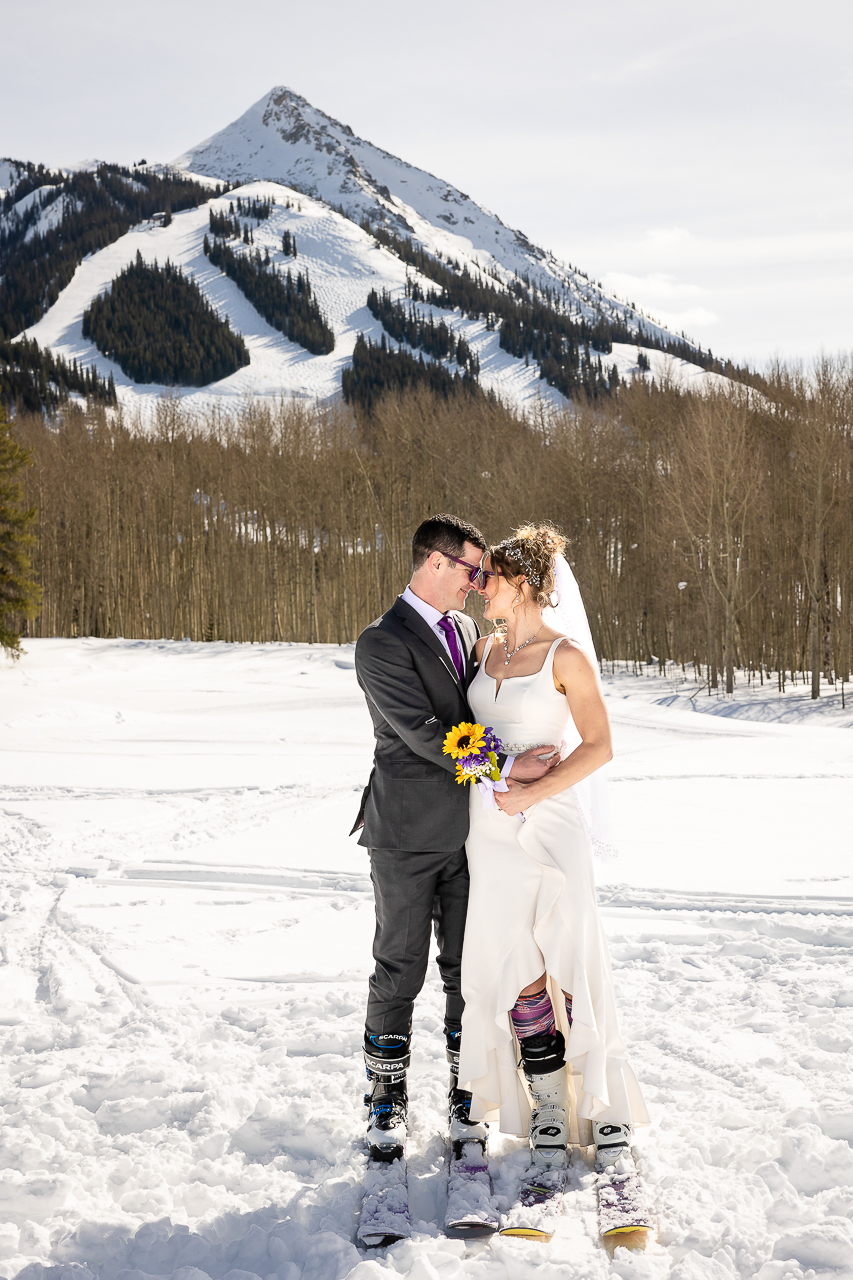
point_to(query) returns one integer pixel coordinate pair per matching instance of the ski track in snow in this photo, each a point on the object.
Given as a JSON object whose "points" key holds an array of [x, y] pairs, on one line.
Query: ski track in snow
{"points": [[185, 938]]}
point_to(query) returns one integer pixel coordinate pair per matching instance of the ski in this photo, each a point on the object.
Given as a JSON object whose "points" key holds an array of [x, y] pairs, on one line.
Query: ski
{"points": [[470, 1204], [624, 1220], [540, 1202], [384, 1216]]}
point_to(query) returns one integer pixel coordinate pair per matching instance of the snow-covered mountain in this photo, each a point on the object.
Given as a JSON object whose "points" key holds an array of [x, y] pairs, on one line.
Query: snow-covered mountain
{"points": [[327, 188], [283, 138]]}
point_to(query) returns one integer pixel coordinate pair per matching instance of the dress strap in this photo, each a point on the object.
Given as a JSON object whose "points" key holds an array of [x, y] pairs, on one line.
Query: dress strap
{"points": [[548, 664]]}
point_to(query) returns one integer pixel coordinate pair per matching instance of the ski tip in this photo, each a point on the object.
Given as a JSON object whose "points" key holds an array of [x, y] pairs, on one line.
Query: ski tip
{"points": [[634, 1238], [469, 1230], [381, 1242], [527, 1233], [385, 1155]]}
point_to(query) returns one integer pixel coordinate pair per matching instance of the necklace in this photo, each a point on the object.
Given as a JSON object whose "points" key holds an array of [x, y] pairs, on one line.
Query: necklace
{"points": [[518, 648]]}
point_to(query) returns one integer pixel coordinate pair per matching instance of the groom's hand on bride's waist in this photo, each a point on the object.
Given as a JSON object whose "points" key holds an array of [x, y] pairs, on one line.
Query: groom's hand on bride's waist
{"points": [[530, 765]]}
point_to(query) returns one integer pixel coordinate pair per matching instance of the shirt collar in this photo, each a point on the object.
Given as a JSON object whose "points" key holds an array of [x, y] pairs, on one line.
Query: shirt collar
{"points": [[428, 612]]}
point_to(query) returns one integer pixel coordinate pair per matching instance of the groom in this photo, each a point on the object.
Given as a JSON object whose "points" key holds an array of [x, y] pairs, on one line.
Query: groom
{"points": [[414, 665]]}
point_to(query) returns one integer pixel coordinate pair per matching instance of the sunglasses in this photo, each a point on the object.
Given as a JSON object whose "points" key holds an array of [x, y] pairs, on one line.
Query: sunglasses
{"points": [[478, 575]]}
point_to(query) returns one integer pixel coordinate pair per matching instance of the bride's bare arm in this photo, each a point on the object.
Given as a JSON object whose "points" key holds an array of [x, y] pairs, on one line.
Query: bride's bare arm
{"points": [[575, 674]]}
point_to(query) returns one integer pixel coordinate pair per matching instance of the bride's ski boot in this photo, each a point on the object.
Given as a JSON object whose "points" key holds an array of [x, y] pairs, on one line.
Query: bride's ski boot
{"points": [[545, 1072], [540, 1194], [612, 1143], [386, 1059]]}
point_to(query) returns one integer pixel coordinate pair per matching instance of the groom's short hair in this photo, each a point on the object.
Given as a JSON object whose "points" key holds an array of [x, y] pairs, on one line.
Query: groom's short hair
{"points": [[447, 534]]}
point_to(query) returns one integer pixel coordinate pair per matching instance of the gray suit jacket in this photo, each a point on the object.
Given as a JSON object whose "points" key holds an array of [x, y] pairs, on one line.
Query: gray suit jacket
{"points": [[413, 801]]}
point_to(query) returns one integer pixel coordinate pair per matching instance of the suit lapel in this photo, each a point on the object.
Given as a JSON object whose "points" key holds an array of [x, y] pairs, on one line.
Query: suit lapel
{"points": [[413, 620]]}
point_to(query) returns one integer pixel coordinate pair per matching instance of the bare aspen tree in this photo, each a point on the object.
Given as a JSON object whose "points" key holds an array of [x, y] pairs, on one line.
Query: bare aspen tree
{"points": [[714, 531]]}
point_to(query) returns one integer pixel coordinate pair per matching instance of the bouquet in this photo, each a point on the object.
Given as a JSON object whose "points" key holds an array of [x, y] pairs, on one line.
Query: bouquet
{"points": [[474, 747]]}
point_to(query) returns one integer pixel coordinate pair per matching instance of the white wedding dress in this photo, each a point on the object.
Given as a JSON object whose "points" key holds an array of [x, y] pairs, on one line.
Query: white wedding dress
{"points": [[532, 908]]}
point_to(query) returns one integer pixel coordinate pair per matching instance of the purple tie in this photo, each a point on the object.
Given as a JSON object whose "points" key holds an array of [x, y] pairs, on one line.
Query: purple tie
{"points": [[453, 645]]}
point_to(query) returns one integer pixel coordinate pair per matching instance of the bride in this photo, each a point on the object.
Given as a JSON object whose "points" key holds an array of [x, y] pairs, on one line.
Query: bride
{"points": [[536, 974]]}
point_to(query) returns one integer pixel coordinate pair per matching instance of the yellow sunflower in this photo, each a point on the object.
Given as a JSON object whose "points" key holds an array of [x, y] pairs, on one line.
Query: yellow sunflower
{"points": [[464, 740], [461, 776]]}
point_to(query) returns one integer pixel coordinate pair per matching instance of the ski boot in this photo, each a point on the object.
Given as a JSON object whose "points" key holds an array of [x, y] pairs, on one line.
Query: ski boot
{"points": [[462, 1128], [612, 1143], [386, 1059], [544, 1065]]}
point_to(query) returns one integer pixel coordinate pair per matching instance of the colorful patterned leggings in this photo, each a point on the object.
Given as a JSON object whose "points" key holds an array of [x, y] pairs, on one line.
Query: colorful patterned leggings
{"points": [[534, 1015]]}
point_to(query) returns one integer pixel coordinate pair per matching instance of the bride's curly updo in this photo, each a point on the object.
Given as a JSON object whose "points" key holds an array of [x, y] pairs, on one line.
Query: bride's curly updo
{"points": [[529, 554]]}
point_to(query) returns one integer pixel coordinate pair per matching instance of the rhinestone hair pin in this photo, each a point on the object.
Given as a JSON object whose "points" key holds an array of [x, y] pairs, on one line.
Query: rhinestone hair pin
{"points": [[514, 552]]}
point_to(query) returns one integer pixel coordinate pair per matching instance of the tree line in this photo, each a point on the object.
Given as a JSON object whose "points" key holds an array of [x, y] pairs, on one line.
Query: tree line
{"points": [[34, 378], [377, 369], [97, 209], [711, 531], [286, 302], [413, 328], [158, 327], [227, 225], [533, 324]]}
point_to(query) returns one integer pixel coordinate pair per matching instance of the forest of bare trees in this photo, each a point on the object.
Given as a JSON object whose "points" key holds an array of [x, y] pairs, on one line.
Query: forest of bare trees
{"points": [[714, 531]]}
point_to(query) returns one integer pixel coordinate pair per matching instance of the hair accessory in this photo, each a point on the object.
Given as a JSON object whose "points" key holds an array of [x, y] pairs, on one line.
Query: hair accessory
{"points": [[516, 553]]}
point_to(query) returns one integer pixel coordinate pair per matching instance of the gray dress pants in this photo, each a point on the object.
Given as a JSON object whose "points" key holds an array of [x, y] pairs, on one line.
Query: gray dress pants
{"points": [[414, 893]]}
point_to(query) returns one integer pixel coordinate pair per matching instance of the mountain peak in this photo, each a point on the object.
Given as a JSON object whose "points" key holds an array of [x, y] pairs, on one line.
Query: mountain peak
{"points": [[284, 138]]}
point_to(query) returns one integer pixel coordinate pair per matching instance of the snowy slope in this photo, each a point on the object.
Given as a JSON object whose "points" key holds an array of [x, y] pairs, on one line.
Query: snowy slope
{"points": [[185, 946], [11, 172], [280, 149], [284, 138], [344, 264]]}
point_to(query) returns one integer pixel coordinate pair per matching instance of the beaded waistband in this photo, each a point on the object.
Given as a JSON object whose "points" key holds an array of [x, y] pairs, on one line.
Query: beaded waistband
{"points": [[518, 748]]}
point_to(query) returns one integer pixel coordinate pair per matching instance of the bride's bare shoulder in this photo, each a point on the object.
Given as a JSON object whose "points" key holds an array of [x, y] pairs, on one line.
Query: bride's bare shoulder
{"points": [[571, 662], [548, 635]]}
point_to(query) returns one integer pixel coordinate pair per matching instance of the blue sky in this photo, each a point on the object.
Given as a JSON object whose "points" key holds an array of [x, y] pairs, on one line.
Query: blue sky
{"points": [[694, 158]]}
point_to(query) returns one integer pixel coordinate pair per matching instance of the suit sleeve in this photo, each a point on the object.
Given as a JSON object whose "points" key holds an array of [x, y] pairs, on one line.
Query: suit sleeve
{"points": [[386, 674]]}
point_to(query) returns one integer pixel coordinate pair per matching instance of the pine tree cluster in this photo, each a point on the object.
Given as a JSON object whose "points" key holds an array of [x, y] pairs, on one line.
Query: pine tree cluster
{"points": [[533, 324], [377, 368], [31, 178], [285, 302], [97, 208], [227, 226], [411, 327], [288, 245], [34, 379], [158, 326]]}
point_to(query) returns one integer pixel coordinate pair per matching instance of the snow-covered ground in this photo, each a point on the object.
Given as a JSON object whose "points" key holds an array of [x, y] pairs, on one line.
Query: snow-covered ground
{"points": [[185, 941]]}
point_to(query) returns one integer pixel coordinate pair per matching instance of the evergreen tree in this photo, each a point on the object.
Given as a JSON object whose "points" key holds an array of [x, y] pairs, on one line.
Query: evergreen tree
{"points": [[284, 302], [158, 326], [18, 593], [97, 208]]}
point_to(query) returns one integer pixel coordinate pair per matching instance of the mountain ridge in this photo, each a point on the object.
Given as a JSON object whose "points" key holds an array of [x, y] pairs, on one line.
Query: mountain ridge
{"points": [[386, 251], [283, 138]]}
